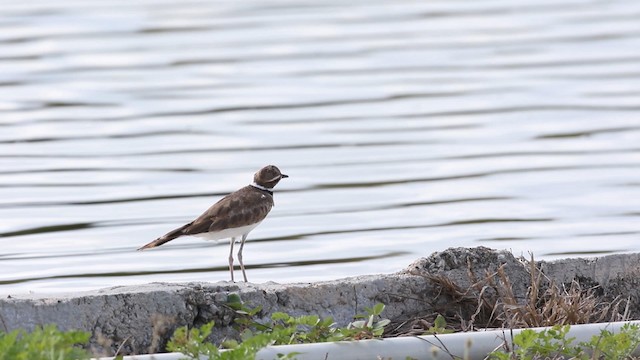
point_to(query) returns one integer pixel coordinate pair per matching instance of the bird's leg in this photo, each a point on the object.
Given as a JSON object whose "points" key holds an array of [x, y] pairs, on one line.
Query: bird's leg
{"points": [[233, 240], [244, 237]]}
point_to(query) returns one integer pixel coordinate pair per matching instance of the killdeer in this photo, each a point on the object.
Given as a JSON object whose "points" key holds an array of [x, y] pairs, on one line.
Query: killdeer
{"points": [[234, 216]]}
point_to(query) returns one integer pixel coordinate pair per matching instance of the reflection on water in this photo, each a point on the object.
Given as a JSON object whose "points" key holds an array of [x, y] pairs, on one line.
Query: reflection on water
{"points": [[406, 128]]}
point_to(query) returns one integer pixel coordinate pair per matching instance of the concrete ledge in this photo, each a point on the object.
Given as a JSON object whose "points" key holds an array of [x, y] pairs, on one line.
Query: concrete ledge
{"points": [[144, 317]]}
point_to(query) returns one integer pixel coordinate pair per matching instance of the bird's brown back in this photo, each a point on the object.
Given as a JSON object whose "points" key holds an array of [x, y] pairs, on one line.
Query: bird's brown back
{"points": [[244, 207]]}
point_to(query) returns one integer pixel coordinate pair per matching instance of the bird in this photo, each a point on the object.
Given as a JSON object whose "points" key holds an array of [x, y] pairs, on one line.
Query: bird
{"points": [[233, 216]]}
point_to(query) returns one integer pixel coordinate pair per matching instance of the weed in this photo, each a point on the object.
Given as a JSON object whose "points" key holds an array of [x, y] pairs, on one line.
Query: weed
{"points": [[615, 346], [194, 344], [439, 327], [281, 329], [553, 343], [43, 343], [490, 302], [371, 326]]}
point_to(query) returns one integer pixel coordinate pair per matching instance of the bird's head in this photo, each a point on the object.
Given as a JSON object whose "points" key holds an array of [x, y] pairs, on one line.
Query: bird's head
{"points": [[268, 176]]}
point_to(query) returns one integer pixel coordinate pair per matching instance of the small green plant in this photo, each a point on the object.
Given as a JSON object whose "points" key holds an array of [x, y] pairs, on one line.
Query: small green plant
{"points": [[529, 344], [372, 325], [554, 344], [439, 327], [193, 343], [288, 329], [235, 303], [44, 343]]}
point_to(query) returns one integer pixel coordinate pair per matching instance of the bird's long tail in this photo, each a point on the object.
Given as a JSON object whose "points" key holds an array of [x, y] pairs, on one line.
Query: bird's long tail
{"points": [[166, 237]]}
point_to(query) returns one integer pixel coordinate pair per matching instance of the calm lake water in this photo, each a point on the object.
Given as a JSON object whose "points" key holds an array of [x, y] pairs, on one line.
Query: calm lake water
{"points": [[406, 127]]}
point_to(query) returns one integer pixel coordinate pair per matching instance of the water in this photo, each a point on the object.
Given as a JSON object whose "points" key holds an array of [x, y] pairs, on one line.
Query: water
{"points": [[406, 127]]}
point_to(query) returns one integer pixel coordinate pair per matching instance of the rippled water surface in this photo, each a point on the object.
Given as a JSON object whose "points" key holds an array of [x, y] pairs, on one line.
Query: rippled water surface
{"points": [[406, 127]]}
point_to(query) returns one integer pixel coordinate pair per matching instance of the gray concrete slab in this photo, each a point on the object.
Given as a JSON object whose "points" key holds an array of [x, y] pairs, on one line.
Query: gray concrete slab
{"points": [[144, 317]]}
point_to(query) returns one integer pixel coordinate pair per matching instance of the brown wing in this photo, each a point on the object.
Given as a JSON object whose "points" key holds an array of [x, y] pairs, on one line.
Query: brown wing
{"points": [[243, 207]]}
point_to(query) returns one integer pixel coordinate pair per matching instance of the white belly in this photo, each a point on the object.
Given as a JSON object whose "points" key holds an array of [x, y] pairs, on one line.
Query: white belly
{"points": [[228, 233]]}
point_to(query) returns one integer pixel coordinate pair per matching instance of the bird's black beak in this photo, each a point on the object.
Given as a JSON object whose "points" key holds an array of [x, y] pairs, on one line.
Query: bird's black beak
{"points": [[282, 176]]}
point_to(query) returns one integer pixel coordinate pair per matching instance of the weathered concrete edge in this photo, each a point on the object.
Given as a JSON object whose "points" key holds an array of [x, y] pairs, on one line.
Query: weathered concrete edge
{"points": [[143, 317]]}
